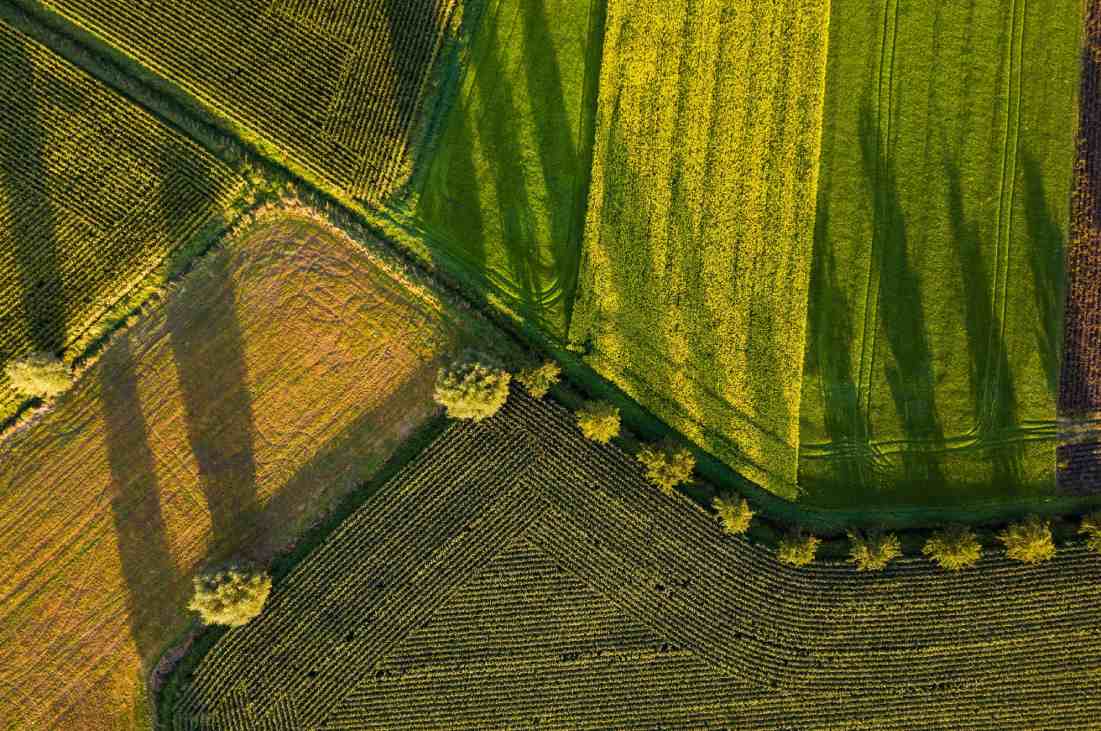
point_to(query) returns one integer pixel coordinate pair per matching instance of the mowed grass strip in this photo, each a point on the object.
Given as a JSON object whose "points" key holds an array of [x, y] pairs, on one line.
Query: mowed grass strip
{"points": [[692, 293], [936, 298], [278, 376], [504, 194], [332, 88], [94, 195]]}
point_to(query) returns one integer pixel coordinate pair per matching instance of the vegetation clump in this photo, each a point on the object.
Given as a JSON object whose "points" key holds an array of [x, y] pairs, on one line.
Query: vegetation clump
{"points": [[230, 596], [39, 375], [538, 380], [599, 421], [667, 465], [872, 551], [797, 548], [471, 390], [1029, 541], [734, 513], [1091, 528], [953, 548]]}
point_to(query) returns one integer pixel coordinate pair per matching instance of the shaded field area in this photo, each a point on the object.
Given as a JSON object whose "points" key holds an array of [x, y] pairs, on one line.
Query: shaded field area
{"points": [[1080, 385], [334, 88], [936, 295], [94, 195], [503, 197], [278, 375], [516, 573], [692, 291]]}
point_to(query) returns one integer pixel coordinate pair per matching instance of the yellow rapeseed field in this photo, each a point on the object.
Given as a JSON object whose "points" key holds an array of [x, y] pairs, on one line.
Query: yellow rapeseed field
{"points": [[692, 292]]}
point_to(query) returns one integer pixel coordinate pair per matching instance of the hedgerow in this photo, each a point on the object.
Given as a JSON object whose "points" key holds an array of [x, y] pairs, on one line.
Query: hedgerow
{"points": [[1029, 541], [797, 548], [667, 465], [873, 550], [538, 381], [955, 547], [599, 421], [734, 512], [471, 390]]}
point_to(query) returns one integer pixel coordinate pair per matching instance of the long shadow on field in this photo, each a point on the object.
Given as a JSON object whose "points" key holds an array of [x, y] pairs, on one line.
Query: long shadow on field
{"points": [[1046, 245], [410, 22], [909, 371], [24, 179], [830, 356], [207, 347], [147, 564], [992, 390]]}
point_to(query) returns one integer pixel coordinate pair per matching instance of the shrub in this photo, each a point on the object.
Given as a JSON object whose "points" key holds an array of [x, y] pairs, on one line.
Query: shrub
{"points": [[797, 548], [599, 421], [1091, 528], [953, 548], [39, 375], [471, 390], [539, 380], [231, 596], [667, 465], [872, 551], [734, 513], [1028, 541]]}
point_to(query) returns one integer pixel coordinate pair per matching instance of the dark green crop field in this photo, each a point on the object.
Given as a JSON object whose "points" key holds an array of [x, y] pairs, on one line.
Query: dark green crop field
{"points": [[936, 294]]}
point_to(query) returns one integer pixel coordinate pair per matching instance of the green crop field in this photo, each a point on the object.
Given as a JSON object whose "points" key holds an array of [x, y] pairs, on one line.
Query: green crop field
{"points": [[94, 194], [692, 293], [503, 196], [516, 573], [936, 295], [333, 88]]}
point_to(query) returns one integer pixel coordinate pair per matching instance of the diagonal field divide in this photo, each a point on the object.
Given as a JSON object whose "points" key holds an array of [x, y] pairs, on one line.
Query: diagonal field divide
{"points": [[949, 415], [824, 646]]}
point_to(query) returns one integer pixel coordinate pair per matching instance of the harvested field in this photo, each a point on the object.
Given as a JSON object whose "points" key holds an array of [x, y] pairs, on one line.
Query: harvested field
{"points": [[936, 297], [333, 86], [503, 198], [279, 375], [94, 194], [692, 290], [516, 573]]}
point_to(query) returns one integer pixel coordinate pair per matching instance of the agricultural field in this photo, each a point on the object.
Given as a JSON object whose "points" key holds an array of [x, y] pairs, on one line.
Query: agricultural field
{"points": [[692, 291], [935, 317], [503, 196], [515, 573], [277, 376], [332, 88], [94, 194]]}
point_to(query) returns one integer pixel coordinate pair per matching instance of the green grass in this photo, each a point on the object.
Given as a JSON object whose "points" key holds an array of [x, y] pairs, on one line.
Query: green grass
{"points": [[936, 292], [692, 291], [502, 200]]}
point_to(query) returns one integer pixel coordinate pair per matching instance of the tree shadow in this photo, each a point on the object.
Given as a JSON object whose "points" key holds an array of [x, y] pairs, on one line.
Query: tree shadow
{"points": [[909, 373], [992, 390], [207, 348], [24, 177], [410, 22], [1046, 245], [830, 356], [148, 567]]}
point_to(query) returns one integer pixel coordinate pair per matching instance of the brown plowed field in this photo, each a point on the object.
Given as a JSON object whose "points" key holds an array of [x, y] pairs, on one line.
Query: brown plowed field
{"points": [[1080, 385], [278, 376], [517, 575]]}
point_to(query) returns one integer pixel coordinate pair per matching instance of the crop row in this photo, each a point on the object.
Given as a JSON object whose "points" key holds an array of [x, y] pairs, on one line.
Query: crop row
{"points": [[94, 193], [334, 86]]}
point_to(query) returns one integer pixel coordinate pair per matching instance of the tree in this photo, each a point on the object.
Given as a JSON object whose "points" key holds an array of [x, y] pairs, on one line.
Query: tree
{"points": [[538, 380], [735, 513], [599, 421], [872, 551], [470, 390], [797, 548], [39, 375], [1029, 541], [955, 547], [667, 465], [1091, 528], [231, 596]]}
